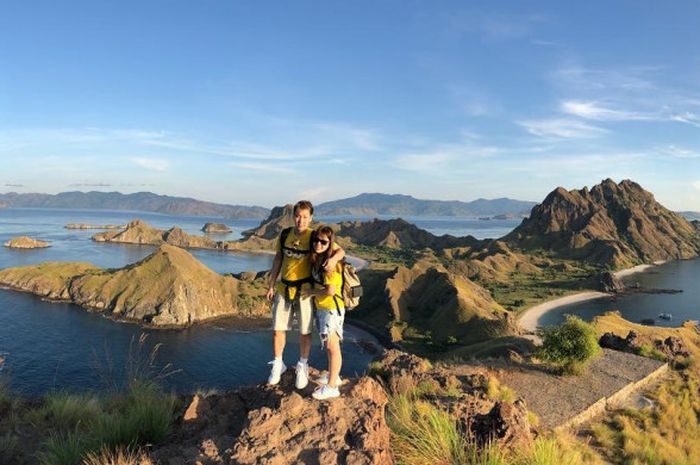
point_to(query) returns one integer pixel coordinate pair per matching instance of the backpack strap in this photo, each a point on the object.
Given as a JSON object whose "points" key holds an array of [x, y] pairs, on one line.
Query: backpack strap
{"points": [[283, 237]]}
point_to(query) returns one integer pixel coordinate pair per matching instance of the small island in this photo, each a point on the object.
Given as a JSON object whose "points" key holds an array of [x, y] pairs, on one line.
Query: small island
{"points": [[25, 242], [216, 228]]}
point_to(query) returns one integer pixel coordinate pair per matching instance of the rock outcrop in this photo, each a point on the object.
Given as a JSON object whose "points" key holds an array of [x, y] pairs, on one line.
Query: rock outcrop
{"points": [[482, 417], [671, 347], [608, 282], [270, 228], [168, 288], [216, 228], [617, 225], [24, 242], [279, 425]]}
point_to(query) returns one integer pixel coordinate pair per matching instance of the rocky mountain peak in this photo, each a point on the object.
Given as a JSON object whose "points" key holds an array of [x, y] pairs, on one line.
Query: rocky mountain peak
{"points": [[618, 224]]}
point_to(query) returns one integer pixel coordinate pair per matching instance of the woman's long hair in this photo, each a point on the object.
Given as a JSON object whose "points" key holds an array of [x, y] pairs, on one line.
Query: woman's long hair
{"points": [[318, 260]]}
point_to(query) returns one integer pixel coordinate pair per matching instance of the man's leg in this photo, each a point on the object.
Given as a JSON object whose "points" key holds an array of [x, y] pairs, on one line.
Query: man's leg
{"points": [[279, 339], [304, 346], [281, 319]]}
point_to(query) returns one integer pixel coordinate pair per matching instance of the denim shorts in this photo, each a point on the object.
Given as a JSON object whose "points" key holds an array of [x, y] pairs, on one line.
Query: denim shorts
{"points": [[329, 322]]}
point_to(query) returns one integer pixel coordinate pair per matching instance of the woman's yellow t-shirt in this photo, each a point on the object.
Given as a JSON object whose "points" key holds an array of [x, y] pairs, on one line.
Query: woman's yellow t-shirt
{"points": [[332, 302]]}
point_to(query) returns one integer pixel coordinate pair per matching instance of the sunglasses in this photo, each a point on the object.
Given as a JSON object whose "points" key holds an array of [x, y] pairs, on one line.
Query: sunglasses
{"points": [[322, 241]]}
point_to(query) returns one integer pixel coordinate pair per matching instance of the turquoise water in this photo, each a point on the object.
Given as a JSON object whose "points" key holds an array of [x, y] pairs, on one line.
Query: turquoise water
{"points": [[682, 275]]}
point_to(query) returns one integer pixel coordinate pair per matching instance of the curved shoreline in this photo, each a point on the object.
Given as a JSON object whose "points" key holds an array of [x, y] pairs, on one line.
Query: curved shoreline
{"points": [[529, 318]]}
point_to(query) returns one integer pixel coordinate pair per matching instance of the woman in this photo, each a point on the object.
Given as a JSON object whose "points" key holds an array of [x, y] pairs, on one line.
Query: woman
{"points": [[329, 306]]}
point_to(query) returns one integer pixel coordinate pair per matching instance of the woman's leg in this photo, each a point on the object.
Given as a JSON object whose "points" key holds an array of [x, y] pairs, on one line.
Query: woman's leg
{"points": [[335, 359]]}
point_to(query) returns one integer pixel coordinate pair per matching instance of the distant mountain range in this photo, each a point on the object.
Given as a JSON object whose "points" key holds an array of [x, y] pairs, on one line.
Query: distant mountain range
{"points": [[140, 201], [361, 205], [405, 205]]}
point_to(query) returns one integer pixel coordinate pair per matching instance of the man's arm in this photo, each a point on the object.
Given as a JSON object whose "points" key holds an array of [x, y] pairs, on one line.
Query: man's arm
{"points": [[337, 255], [274, 272]]}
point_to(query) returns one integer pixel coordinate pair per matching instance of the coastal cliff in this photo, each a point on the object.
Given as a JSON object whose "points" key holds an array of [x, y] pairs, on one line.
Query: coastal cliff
{"points": [[168, 288]]}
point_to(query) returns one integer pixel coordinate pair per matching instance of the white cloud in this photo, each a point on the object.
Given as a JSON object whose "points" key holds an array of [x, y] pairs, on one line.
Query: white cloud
{"points": [[696, 185], [154, 164], [594, 111], [689, 118], [561, 128], [495, 27]]}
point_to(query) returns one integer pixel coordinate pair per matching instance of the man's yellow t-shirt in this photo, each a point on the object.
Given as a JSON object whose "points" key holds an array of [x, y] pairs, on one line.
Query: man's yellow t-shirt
{"points": [[332, 302], [296, 260]]}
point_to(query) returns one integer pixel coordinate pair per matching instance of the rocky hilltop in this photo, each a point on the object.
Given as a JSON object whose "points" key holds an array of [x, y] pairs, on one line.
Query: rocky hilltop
{"points": [[617, 225], [398, 233], [24, 242], [429, 298], [168, 288], [278, 219], [139, 232]]}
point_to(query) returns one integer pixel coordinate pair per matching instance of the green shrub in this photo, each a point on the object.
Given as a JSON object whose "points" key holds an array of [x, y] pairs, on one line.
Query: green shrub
{"points": [[64, 449], [70, 411], [569, 346]]}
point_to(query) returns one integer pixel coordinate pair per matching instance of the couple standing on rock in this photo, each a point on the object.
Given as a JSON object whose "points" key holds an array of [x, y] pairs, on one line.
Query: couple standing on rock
{"points": [[308, 263]]}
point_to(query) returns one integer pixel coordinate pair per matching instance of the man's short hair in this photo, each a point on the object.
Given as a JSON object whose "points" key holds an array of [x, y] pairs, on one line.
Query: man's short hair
{"points": [[303, 205]]}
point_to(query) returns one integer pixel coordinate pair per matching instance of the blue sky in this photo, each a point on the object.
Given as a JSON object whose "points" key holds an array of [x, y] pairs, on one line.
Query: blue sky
{"points": [[267, 102]]}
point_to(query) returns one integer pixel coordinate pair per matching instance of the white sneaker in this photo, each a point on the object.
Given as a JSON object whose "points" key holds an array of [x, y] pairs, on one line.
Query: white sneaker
{"points": [[278, 367], [323, 379], [302, 375], [326, 392]]}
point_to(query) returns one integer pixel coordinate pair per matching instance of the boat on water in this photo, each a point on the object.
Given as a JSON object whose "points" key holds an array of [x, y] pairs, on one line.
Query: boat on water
{"points": [[665, 316]]}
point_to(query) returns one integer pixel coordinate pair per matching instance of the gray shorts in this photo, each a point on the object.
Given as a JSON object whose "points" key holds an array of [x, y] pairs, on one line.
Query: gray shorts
{"points": [[283, 313], [329, 322]]}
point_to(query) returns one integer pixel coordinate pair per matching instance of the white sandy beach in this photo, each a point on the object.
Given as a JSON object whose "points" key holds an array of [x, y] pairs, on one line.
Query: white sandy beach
{"points": [[528, 319]]}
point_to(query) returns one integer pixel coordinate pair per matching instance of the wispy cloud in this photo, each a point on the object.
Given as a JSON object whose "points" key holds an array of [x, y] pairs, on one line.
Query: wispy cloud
{"points": [[696, 185], [444, 158], [262, 167], [14, 185], [154, 164], [595, 111], [560, 128], [678, 152]]}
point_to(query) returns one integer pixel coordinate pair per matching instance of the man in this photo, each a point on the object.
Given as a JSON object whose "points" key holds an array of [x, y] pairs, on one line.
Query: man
{"points": [[292, 261]]}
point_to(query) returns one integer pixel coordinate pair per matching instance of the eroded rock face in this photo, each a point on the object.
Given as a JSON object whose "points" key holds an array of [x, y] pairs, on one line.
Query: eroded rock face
{"points": [[24, 242], [281, 425], [672, 347], [608, 282]]}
